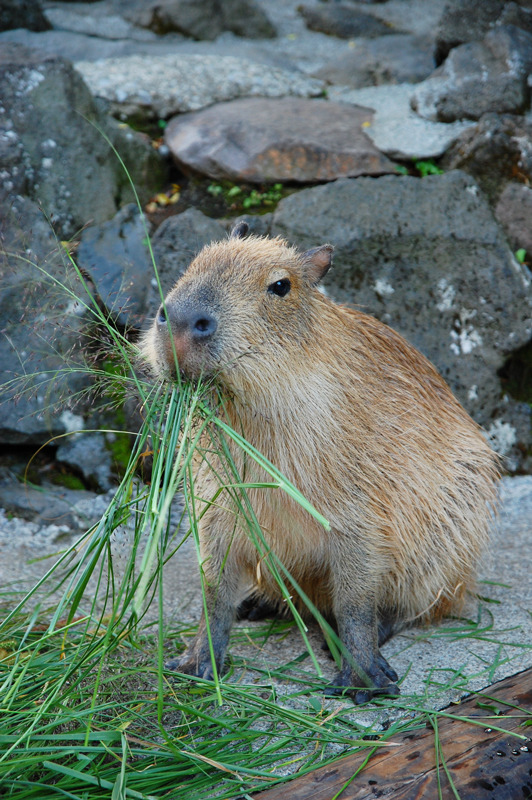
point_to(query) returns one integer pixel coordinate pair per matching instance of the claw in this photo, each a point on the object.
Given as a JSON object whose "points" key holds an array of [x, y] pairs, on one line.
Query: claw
{"points": [[190, 665], [387, 669]]}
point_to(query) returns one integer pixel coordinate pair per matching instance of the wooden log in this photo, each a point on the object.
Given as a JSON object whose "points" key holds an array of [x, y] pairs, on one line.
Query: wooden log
{"points": [[482, 761]]}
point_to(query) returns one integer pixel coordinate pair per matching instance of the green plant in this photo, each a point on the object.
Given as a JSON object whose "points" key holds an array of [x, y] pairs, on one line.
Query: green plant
{"points": [[427, 167], [246, 198]]}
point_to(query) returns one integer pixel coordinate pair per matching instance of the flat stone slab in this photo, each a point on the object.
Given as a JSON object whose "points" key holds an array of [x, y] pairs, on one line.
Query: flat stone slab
{"points": [[396, 129], [478, 650], [164, 85], [263, 140]]}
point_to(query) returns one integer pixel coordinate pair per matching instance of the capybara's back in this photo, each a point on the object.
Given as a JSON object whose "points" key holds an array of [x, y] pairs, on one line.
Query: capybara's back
{"points": [[359, 421]]}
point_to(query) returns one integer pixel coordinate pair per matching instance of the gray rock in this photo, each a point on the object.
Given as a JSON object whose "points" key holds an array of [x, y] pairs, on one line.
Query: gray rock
{"points": [[258, 224], [495, 151], [74, 46], [50, 149], [201, 19], [41, 122], [344, 21], [514, 213], [45, 505], [399, 58], [115, 256], [88, 455], [160, 87], [514, 14], [41, 330], [420, 17], [269, 141], [426, 257], [22, 14], [175, 244], [479, 77], [396, 130], [105, 26], [144, 169], [247, 18], [469, 20], [464, 21]]}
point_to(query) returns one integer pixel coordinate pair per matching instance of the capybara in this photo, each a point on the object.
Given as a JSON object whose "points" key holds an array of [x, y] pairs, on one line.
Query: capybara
{"points": [[359, 421]]}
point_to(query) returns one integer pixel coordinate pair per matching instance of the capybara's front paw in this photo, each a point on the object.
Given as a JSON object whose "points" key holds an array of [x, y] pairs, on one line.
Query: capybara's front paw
{"points": [[192, 664]]}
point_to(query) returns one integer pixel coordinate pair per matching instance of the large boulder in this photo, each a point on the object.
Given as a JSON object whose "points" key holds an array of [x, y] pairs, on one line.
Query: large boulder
{"points": [[470, 20], [495, 151], [53, 143], [268, 141], [426, 257], [41, 323], [175, 244], [116, 258], [479, 77], [514, 213], [200, 19]]}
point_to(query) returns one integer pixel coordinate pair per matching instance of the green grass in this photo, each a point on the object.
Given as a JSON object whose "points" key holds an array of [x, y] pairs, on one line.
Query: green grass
{"points": [[87, 709]]}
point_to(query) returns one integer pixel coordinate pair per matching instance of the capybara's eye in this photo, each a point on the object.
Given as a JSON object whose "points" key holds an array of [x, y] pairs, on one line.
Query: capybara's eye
{"points": [[161, 316], [280, 288]]}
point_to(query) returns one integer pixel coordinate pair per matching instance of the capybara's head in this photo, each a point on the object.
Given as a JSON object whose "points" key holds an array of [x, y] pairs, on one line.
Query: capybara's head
{"points": [[245, 308]]}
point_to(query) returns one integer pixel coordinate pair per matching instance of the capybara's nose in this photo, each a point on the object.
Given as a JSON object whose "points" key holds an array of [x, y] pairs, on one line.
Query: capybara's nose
{"points": [[198, 324], [202, 325]]}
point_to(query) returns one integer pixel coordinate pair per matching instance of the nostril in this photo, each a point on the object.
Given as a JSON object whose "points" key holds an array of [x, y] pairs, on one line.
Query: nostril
{"points": [[204, 326]]}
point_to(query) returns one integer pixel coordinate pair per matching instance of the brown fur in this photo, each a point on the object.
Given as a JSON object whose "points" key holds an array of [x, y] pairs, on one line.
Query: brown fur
{"points": [[359, 421]]}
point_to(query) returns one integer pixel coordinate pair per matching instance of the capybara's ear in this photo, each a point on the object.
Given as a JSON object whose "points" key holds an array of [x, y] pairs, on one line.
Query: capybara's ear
{"points": [[240, 230], [317, 262]]}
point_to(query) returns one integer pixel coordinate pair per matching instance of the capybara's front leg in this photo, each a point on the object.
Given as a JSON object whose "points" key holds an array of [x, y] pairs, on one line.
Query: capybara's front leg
{"points": [[365, 673], [222, 583], [197, 658]]}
